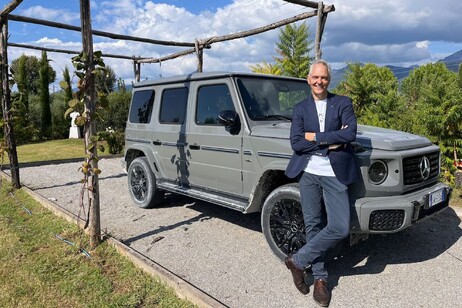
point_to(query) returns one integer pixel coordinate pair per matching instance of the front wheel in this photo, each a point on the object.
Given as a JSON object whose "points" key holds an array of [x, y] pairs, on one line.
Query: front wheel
{"points": [[282, 221], [142, 184]]}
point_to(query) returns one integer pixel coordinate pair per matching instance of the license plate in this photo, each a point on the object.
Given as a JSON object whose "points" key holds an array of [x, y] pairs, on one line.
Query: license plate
{"points": [[436, 197]]}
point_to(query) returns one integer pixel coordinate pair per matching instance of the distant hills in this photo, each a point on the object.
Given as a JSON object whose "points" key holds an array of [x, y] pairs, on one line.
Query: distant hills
{"points": [[452, 62]]}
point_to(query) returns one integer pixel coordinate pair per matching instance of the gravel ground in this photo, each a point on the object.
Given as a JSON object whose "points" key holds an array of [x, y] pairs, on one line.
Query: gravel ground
{"points": [[224, 253]]}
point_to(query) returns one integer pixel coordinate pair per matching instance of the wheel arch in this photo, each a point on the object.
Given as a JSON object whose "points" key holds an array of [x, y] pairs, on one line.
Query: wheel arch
{"points": [[269, 181], [141, 151]]}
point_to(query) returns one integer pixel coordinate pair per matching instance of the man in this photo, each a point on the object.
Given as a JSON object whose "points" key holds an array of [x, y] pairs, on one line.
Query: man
{"points": [[323, 125]]}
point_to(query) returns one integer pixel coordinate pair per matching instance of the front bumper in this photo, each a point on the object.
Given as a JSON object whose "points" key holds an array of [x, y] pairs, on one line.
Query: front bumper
{"points": [[394, 213]]}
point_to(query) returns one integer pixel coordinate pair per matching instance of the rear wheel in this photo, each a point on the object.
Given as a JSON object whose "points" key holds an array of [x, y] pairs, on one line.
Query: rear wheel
{"points": [[282, 221], [142, 184]]}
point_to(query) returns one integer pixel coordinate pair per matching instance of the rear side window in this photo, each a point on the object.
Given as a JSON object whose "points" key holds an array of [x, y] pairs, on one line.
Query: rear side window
{"points": [[141, 108], [173, 106]]}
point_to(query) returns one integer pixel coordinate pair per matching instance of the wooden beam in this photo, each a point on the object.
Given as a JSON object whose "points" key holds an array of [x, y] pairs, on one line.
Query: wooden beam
{"points": [[96, 32], [269, 27], [169, 57], [8, 9], [312, 4], [107, 55]]}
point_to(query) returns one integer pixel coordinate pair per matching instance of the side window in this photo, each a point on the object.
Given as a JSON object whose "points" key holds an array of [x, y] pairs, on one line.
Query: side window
{"points": [[141, 108], [211, 100], [173, 106]]}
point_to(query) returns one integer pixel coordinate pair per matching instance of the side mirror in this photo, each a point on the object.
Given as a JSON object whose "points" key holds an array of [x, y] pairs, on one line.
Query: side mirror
{"points": [[230, 119]]}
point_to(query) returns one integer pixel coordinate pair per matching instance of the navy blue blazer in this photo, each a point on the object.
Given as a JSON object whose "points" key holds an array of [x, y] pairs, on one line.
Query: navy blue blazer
{"points": [[339, 112]]}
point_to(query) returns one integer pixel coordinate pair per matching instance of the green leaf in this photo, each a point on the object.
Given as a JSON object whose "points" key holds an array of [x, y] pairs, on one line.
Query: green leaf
{"points": [[80, 121], [94, 138], [63, 85], [68, 111], [73, 102]]}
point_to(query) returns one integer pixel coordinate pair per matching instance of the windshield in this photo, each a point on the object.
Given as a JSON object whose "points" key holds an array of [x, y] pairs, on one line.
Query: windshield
{"points": [[271, 99]]}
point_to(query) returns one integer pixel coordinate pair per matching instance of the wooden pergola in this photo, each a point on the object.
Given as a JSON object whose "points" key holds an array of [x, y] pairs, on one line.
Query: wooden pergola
{"points": [[89, 97], [320, 10]]}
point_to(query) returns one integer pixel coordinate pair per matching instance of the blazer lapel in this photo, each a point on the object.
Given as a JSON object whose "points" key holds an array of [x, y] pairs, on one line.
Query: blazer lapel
{"points": [[312, 122], [329, 112]]}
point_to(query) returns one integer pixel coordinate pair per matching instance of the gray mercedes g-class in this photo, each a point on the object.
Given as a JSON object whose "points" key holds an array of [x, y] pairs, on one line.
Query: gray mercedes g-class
{"points": [[224, 138]]}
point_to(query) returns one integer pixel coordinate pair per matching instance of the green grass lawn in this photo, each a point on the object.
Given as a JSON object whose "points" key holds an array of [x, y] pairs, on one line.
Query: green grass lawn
{"points": [[39, 270], [53, 149]]}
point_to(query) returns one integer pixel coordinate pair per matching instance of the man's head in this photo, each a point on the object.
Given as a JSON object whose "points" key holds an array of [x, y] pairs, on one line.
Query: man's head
{"points": [[319, 79]]}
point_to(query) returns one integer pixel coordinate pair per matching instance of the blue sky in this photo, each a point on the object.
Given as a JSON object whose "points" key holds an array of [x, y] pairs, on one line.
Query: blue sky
{"points": [[393, 32]]}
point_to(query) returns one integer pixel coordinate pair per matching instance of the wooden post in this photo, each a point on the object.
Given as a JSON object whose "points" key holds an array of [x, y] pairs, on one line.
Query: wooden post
{"points": [[319, 30], [8, 130], [200, 56], [90, 124], [137, 70]]}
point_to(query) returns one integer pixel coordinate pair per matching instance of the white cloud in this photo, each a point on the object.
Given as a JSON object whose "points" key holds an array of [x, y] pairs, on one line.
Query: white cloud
{"points": [[423, 44], [61, 15]]}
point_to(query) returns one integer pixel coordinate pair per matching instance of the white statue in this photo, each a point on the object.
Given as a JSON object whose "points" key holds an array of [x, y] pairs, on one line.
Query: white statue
{"points": [[74, 131], [74, 116]]}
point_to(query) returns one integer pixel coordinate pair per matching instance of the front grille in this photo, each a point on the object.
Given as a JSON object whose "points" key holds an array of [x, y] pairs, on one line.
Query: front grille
{"points": [[412, 167], [386, 220]]}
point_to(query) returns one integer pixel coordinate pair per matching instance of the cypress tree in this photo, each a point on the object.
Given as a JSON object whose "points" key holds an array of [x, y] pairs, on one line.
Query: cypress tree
{"points": [[44, 94]]}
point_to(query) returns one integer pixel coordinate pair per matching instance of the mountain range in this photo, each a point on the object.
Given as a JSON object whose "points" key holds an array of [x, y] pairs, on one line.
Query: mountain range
{"points": [[452, 63]]}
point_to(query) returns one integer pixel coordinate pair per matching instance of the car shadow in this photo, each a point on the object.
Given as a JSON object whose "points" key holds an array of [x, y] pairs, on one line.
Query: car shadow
{"points": [[249, 221], [421, 242]]}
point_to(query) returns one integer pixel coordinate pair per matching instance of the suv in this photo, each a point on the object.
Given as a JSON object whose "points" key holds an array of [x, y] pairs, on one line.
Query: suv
{"points": [[224, 138]]}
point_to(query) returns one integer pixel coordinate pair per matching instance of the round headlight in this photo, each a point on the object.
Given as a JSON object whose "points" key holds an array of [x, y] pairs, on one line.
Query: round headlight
{"points": [[378, 172]]}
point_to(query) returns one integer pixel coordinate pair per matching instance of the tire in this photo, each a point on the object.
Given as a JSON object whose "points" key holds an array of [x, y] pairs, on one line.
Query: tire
{"points": [[142, 184], [282, 221]]}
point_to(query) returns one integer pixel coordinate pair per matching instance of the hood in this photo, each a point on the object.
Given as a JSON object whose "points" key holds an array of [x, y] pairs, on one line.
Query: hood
{"points": [[367, 136], [389, 139], [272, 130]]}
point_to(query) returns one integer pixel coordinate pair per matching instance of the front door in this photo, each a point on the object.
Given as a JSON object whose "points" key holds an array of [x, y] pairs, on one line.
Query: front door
{"points": [[214, 153]]}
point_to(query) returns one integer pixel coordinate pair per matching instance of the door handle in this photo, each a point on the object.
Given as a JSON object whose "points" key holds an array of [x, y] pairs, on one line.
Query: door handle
{"points": [[157, 142], [194, 146]]}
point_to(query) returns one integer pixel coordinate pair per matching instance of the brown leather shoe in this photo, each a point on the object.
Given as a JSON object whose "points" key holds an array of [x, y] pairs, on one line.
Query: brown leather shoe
{"points": [[320, 294], [297, 275]]}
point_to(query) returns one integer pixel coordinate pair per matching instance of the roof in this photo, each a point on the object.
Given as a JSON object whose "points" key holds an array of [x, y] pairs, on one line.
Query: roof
{"points": [[207, 75]]}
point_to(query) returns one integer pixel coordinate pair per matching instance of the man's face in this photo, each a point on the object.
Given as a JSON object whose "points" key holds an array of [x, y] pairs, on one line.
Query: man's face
{"points": [[319, 81]]}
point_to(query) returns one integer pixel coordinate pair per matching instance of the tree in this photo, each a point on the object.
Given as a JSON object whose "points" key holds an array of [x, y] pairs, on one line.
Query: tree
{"points": [[266, 68], [66, 84], [21, 77], [116, 113], [60, 103], [294, 48], [105, 80], [44, 93], [374, 91], [32, 68], [434, 107]]}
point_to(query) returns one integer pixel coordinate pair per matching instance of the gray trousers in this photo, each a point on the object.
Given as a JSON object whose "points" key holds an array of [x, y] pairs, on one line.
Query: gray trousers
{"points": [[322, 235]]}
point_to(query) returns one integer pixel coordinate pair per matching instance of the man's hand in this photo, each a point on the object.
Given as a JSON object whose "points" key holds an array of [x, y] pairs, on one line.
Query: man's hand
{"points": [[309, 136], [336, 146]]}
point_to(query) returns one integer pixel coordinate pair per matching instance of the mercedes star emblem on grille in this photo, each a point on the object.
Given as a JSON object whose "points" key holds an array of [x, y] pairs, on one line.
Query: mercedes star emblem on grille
{"points": [[424, 167]]}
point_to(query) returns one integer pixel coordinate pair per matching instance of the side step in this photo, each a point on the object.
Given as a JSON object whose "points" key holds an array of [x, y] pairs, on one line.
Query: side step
{"points": [[237, 204]]}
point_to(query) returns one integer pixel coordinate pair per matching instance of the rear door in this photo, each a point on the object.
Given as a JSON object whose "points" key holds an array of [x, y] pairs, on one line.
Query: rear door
{"points": [[168, 134]]}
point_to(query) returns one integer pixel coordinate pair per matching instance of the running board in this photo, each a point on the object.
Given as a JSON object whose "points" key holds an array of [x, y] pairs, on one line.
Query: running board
{"points": [[226, 201]]}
